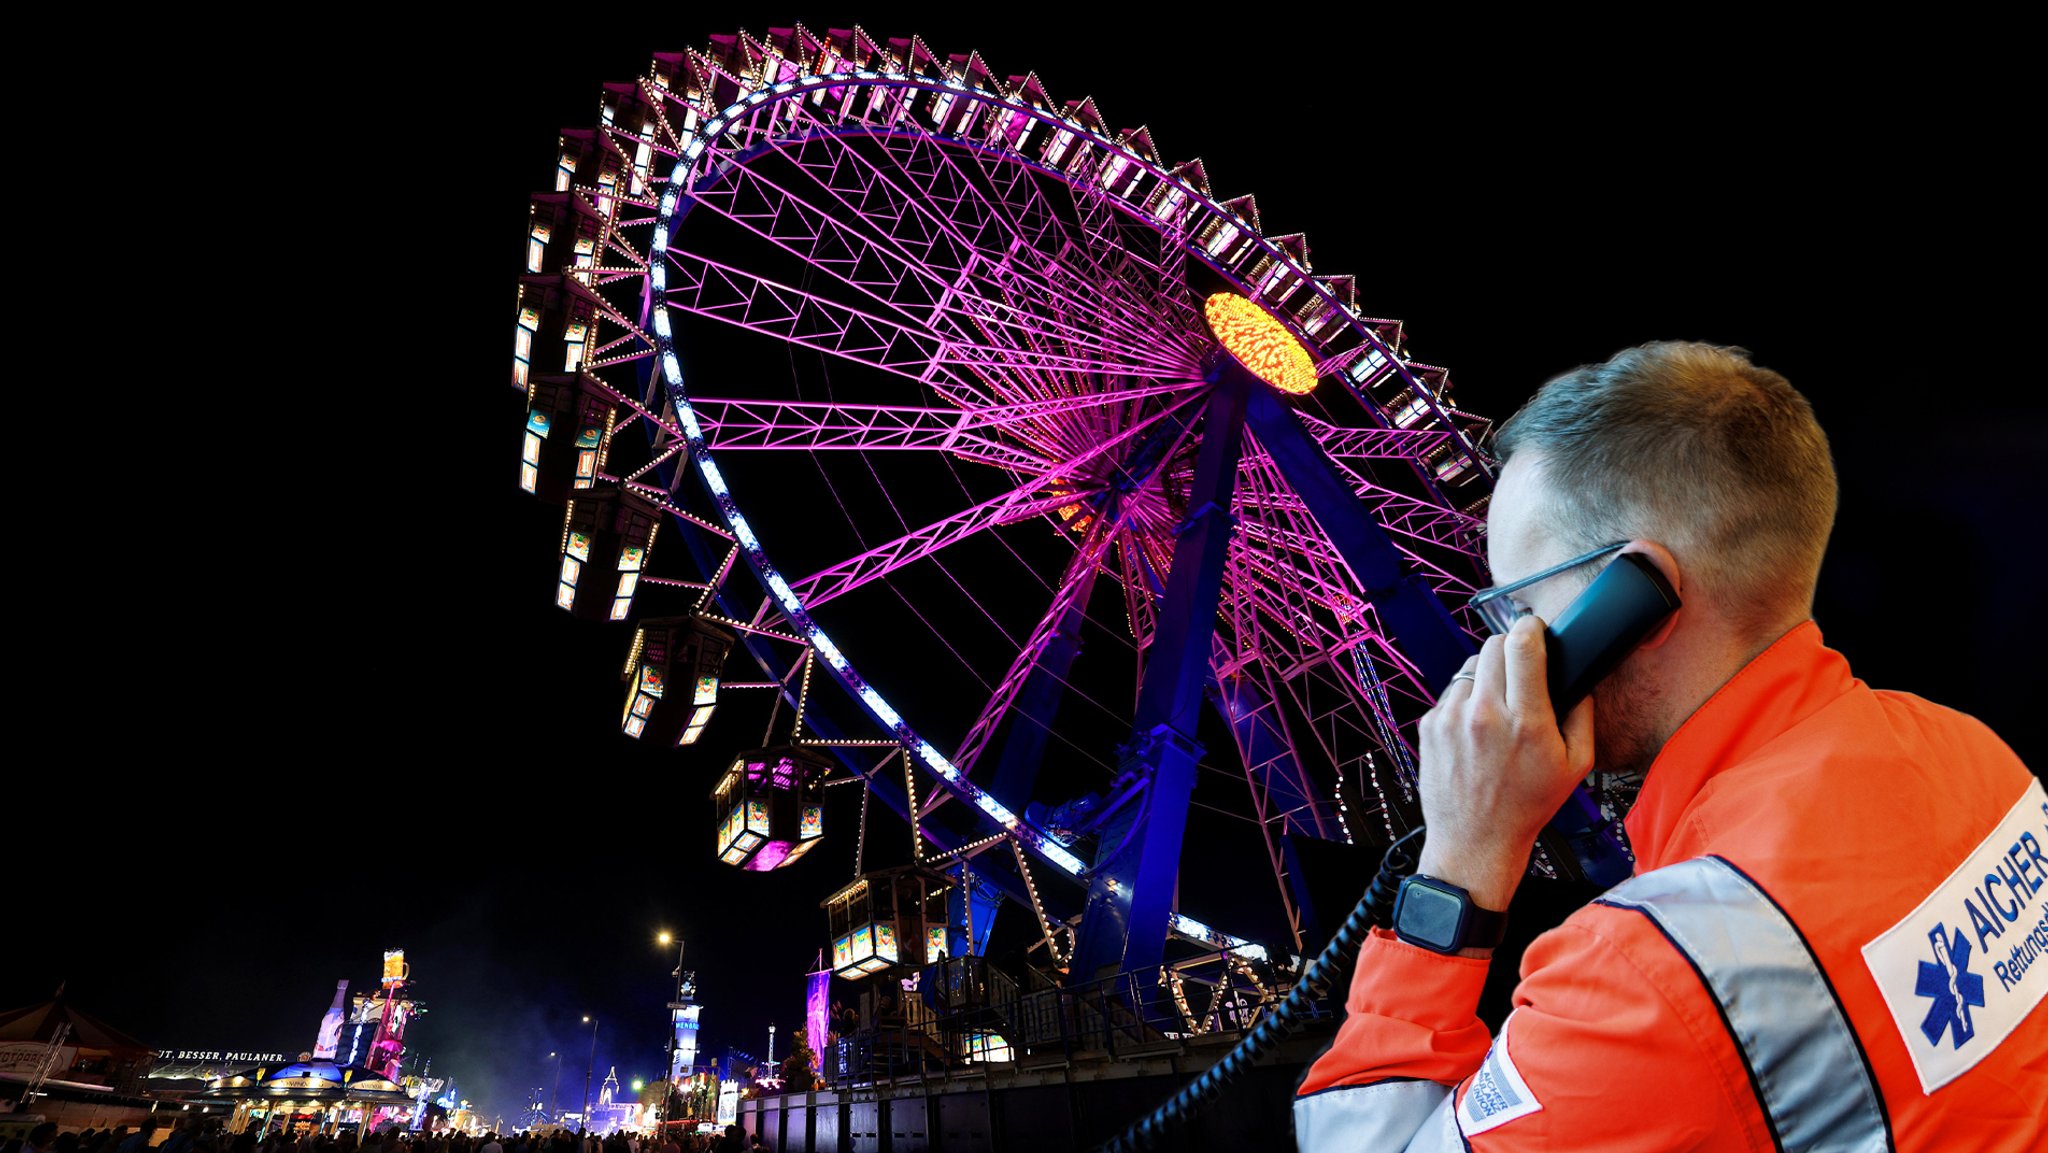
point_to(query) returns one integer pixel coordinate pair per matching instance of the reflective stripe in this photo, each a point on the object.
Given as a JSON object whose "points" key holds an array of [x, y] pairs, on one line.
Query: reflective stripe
{"points": [[1809, 1073], [1411, 1116]]}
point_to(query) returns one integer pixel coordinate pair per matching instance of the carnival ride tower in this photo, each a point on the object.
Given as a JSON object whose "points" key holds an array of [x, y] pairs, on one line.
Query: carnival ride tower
{"points": [[685, 1011], [388, 1047]]}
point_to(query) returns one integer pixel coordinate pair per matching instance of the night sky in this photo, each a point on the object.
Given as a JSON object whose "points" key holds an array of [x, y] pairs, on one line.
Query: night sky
{"points": [[326, 707]]}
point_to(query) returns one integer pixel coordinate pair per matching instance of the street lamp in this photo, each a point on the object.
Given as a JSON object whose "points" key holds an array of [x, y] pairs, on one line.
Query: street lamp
{"points": [[663, 938], [587, 1069], [555, 1098]]}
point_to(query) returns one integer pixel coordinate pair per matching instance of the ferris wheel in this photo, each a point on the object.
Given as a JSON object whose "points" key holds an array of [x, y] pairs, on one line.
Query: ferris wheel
{"points": [[1063, 512]]}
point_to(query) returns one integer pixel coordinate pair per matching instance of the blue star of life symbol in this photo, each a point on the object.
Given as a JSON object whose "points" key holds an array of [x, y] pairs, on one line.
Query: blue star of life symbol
{"points": [[1954, 989]]}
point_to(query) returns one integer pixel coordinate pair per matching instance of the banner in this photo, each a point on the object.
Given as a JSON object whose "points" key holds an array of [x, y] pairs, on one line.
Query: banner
{"points": [[816, 1000], [26, 1057]]}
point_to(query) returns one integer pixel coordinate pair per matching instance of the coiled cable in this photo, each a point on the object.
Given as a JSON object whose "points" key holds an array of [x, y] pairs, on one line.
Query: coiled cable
{"points": [[1375, 908]]}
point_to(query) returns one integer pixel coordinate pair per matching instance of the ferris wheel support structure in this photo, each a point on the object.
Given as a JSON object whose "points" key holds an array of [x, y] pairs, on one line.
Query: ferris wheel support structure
{"points": [[1132, 884], [1023, 291]]}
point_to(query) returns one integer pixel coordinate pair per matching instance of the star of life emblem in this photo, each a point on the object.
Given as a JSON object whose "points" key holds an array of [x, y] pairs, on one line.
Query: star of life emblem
{"points": [[1970, 962]]}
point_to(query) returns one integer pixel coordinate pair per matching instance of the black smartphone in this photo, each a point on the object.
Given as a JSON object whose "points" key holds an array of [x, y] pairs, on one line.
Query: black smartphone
{"points": [[1601, 627]]}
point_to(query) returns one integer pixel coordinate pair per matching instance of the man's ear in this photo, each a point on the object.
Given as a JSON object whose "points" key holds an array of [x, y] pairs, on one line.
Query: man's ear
{"points": [[1660, 558]]}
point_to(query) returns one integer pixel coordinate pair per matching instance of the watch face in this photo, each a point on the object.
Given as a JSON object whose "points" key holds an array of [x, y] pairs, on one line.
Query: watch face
{"points": [[1428, 916]]}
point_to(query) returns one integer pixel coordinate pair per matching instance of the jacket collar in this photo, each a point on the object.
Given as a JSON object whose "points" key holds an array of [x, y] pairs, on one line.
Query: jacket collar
{"points": [[1783, 685]]}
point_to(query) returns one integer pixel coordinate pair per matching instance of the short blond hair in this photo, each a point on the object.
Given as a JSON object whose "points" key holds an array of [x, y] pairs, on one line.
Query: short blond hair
{"points": [[1694, 446]]}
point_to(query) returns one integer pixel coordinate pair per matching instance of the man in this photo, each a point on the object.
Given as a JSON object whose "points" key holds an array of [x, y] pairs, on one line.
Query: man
{"points": [[141, 1139], [1836, 930]]}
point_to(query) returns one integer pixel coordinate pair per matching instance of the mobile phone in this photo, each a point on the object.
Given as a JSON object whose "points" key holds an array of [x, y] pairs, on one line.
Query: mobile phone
{"points": [[1594, 634]]}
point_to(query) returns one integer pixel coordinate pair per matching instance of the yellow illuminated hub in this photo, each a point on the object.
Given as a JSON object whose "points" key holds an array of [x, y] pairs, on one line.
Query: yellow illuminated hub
{"points": [[1260, 343]]}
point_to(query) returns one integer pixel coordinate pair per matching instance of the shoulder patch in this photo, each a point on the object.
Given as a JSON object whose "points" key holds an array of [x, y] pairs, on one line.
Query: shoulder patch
{"points": [[1963, 969], [1496, 1094]]}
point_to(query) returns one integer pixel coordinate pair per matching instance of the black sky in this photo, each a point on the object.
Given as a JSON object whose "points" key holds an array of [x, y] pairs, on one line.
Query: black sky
{"points": [[325, 706]]}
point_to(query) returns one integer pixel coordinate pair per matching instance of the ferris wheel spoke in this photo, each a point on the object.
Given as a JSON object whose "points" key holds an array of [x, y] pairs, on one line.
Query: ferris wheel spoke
{"points": [[717, 291], [1276, 527], [933, 164], [999, 434], [734, 425], [898, 276], [1363, 444], [1405, 515], [1291, 529], [1048, 492], [1073, 589], [1263, 586], [1021, 503], [1045, 287], [960, 248], [934, 168], [1400, 671], [1398, 512], [1021, 203], [944, 247]]}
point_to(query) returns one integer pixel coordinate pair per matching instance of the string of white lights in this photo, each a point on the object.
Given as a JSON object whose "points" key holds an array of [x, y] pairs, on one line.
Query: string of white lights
{"points": [[1044, 923]]}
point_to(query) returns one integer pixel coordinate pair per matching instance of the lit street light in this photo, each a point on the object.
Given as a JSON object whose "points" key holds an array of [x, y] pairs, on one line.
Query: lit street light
{"points": [[663, 938], [588, 1069], [555, 1098]]}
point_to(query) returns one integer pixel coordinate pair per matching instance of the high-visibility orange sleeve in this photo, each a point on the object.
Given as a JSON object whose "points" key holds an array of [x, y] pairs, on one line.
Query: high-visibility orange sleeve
{"points": [[1412, 1013]]}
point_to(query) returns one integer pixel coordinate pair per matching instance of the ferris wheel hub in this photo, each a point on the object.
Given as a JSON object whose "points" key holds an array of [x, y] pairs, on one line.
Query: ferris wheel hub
{"points": [[1259, 342]]}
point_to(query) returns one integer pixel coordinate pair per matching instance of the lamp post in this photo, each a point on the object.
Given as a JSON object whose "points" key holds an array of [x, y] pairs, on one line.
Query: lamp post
{"points": [[555, 1098], [675, 1006], [588, 1069]]}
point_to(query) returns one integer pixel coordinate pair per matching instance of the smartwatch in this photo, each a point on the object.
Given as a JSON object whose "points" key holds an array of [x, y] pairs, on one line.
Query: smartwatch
{"points": [[1439, 916]]}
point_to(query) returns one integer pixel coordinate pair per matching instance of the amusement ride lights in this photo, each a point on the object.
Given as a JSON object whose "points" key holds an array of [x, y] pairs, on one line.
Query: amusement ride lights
{"points": [[1227, 231], [1259, 342]]}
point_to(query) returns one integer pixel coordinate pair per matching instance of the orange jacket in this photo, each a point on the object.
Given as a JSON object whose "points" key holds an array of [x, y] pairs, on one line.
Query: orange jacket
{"points": [[1900, 838]]}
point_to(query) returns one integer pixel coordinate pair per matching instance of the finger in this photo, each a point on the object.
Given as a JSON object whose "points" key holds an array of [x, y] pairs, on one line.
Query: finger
{"points": [[1486, 684], [1578, 736], [1527, 689], [1462, 679]]}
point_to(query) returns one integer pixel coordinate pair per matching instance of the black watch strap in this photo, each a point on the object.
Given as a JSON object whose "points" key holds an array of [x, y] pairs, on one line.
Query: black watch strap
{"points": [[1439, 916]]}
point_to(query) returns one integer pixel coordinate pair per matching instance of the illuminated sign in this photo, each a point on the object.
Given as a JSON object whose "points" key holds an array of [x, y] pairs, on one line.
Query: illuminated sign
{"points": [[395, 971], [223, 1056]]}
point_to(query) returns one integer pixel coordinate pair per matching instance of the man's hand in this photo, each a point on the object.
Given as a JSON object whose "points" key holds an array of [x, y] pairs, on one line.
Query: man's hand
{"points": [[1494, 768]]}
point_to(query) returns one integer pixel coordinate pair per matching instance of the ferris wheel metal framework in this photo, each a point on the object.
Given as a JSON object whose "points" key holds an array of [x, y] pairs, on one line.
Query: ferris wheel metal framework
{"points": [[1031, 277]]}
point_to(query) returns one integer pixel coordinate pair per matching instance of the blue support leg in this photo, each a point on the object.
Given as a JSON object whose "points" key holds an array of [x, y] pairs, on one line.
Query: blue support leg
{"points": [[1137, 864]]}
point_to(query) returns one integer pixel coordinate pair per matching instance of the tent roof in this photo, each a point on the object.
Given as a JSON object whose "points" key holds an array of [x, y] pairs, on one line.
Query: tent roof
{"points": [[40, 1023]]}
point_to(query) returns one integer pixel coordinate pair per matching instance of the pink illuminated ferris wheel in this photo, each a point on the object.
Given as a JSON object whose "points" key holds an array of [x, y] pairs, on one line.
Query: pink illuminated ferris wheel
{"points": [[1065, 512]]}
